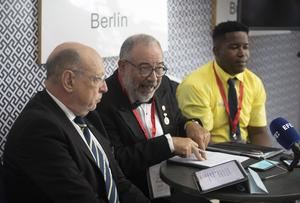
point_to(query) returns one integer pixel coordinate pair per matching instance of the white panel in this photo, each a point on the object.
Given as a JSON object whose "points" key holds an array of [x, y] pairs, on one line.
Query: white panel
{"points": [[102, 24]]}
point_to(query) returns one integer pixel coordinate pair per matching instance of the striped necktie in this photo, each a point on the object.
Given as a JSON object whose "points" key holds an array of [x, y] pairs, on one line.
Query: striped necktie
{"points": [[101, 161], [233, 105]]}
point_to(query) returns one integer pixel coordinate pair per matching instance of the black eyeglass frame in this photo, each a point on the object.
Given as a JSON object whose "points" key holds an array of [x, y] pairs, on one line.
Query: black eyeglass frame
{"points": [[147, 69]]}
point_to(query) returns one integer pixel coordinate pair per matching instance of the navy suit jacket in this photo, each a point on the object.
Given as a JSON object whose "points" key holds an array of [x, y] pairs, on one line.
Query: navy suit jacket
{"points": [[133, 151], [46, 160]]}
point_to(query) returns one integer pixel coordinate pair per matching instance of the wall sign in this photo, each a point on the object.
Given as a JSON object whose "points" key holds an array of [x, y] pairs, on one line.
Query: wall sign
{"points": [[227, 10], [224, 10], [101, 24]]}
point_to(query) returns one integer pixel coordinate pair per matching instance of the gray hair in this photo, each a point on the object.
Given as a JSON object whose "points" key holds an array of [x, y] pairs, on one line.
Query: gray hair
{"points": [[130, 42]]}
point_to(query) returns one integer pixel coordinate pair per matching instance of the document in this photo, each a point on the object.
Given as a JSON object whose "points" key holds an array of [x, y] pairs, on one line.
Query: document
{"points": [[220, 176], [157, 187], [213, 159]]}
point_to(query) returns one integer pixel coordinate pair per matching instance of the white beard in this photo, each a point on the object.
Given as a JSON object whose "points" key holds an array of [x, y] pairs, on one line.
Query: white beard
{"points": [[133, 93]]}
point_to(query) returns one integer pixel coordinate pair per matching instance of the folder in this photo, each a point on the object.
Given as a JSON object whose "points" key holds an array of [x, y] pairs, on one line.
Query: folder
{"points": [[256, 186], [250, 150]]}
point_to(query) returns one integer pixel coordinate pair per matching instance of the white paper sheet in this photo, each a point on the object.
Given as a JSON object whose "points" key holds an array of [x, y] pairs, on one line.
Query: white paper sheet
{"points": [[158, 187], [213, 158]]}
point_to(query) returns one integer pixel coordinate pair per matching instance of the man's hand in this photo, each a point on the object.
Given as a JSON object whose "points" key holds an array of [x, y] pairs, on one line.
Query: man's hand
{"points": [[199, 134], [186, 146]]}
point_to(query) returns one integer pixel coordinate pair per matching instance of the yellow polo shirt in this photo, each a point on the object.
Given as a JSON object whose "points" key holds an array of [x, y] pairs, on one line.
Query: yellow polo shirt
{"points": [[199, 97]]}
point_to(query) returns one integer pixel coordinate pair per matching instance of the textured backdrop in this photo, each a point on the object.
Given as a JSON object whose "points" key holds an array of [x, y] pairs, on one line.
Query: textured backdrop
{"points": [[273, 57]]}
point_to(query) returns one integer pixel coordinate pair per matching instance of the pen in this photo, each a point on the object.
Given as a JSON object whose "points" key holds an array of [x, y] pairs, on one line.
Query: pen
{"points": [[274, 175]]}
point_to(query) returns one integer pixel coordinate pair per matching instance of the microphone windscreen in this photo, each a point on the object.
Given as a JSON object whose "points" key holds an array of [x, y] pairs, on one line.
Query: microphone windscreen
{"points": [[285, 134]]}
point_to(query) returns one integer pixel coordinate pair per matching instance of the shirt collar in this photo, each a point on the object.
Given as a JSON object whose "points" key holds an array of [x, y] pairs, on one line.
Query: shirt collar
{"points": [[138, 103], [225, 76], [65, 109]]}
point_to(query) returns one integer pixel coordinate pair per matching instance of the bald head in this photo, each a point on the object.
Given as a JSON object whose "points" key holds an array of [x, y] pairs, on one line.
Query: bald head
{"points": [[75, 76], [65, 56]]}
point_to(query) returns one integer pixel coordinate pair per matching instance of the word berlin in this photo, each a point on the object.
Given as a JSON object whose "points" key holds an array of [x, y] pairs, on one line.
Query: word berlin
{"points": [[116, 20]]}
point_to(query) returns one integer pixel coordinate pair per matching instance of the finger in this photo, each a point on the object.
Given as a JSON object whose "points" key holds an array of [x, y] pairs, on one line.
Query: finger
{"points": [[190, 149], [187, 151], [202, 145], [197, 154], [206, 139], [203, 153]]}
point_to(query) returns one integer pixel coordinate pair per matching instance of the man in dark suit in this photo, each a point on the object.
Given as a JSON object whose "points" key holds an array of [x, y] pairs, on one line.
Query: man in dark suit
{"points": [[47, 156], [144, 122]]}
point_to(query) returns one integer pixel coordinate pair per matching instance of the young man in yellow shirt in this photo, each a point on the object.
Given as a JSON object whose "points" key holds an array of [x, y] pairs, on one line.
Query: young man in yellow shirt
{"points": [[240, 115]]}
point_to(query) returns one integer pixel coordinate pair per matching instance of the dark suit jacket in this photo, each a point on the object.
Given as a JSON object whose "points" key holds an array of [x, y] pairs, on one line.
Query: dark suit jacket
{"points": [[46, 160], [134, 153]]}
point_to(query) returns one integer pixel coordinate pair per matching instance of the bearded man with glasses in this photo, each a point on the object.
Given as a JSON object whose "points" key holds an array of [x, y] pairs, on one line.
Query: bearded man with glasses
{"points": [[142, 117]]}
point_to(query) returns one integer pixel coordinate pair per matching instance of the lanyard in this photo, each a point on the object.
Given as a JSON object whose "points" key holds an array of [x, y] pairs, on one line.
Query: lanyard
{"points": [[138, 118], [233, 123]]}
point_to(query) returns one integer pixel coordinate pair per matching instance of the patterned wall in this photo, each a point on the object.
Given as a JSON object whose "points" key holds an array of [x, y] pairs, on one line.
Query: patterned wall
{"points": [[20, 76], [273, 57]]}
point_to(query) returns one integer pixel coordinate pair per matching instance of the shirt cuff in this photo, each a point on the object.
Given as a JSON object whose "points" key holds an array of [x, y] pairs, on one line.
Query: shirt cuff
{"points": [[170, 142]]}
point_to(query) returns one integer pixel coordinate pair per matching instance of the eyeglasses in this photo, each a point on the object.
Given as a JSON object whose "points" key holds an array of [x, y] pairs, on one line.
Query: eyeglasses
{"points": [[96, 80], [147, 69]]}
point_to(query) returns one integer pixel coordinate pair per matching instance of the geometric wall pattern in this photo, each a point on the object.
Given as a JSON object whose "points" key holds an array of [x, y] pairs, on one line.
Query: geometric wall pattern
{"points": [[273, 57], [20, 76]]}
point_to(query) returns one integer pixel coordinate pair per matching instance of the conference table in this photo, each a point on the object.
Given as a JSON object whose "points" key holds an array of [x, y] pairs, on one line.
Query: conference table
{"points": [[281, 188]]}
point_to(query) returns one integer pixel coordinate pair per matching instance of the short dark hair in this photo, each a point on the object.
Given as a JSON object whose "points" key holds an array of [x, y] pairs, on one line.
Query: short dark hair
{"points": [[230, 26]]}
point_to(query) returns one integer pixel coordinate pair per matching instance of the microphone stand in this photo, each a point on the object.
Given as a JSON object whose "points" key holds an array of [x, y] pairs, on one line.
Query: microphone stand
{"points": [[296, 150]]}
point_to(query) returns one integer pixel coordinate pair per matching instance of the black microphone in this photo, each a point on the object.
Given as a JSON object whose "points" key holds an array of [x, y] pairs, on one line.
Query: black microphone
{"points": [[287, 136]]}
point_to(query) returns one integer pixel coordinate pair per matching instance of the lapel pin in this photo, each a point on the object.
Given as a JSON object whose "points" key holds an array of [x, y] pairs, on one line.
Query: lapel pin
{"points": [[167, 120]]}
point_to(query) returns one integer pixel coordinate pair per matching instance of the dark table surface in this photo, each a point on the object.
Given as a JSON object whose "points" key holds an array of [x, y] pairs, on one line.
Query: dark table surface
{"points": [[282, 188]]}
